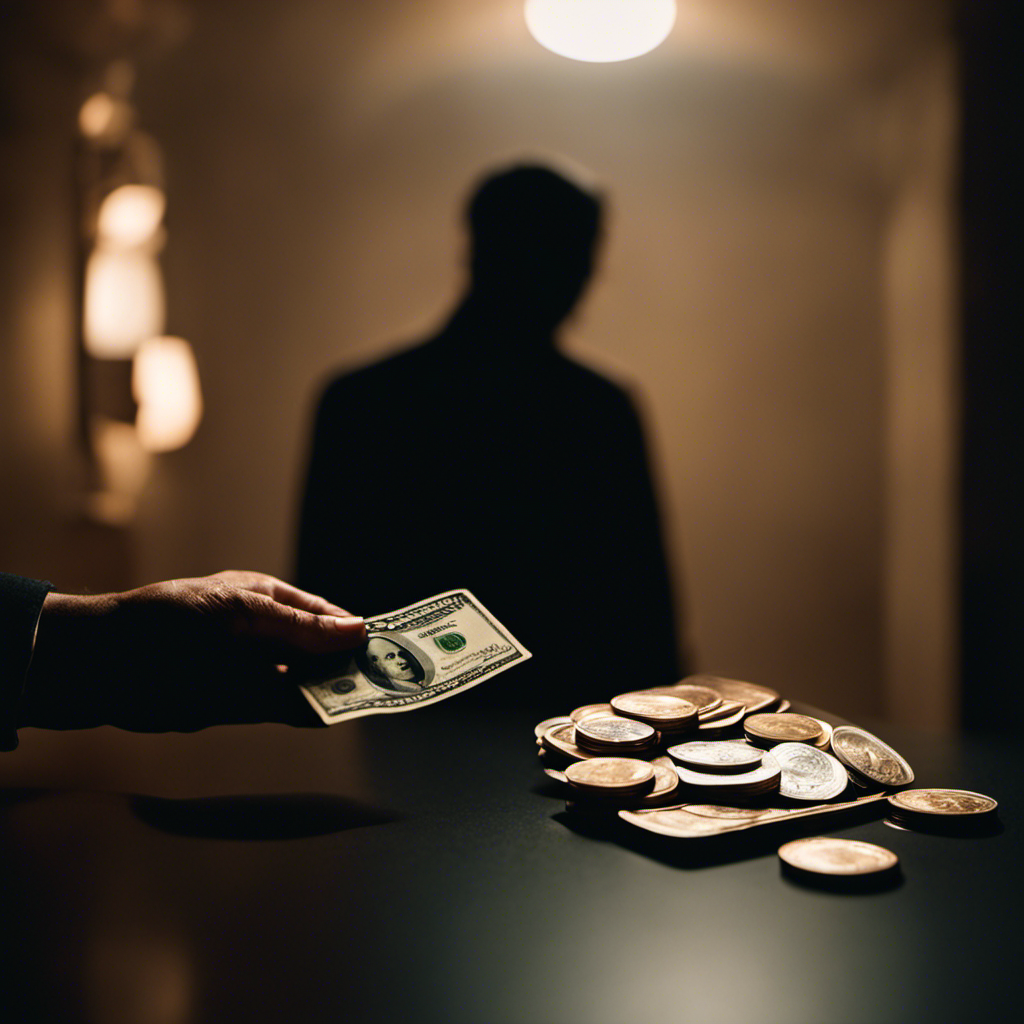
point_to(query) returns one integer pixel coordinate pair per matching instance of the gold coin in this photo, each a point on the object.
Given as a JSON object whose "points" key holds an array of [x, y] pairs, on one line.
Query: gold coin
{"points": [[845, 857], [704, 696], [782, 728], [620, 774], [655, 709], [943, 802]]}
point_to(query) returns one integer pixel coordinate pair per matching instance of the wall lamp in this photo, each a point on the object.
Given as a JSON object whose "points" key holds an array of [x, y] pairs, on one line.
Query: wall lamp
{"points": [[139, 390]]}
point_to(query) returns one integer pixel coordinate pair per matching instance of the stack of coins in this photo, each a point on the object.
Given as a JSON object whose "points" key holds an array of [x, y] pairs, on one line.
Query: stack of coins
{"points": [[717, 757], [616, 737], [618, 781], [870, 762], [720, 719], [765, 730], [743, 786], [666, 713], [558, 744], [590, 711], [754, 698], [942, 810]]}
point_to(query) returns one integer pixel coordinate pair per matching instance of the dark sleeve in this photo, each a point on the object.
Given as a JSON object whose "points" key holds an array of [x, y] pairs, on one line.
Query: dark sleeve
{"points": [[21, 601]]}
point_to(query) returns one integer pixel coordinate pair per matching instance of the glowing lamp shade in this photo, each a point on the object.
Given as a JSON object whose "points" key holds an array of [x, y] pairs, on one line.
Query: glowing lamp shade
{"points": [[104, 119], [165, 382], [131, 215], [600, 30], [124, 301]]}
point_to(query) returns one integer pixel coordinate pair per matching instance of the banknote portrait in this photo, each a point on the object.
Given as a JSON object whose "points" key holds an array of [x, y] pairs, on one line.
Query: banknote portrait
{"points": [[392, 664]]}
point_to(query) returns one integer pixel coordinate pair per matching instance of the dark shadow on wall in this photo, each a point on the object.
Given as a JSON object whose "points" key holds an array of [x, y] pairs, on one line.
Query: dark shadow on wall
{"points": [[485, 458]]}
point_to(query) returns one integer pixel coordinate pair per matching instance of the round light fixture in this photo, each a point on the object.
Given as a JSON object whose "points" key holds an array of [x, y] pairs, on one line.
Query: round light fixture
{"points": [[600, 30]]}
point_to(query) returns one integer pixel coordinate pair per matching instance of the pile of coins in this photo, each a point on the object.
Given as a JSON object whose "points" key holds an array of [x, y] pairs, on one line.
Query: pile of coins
{"points": [[611, 735], [712, 744]]}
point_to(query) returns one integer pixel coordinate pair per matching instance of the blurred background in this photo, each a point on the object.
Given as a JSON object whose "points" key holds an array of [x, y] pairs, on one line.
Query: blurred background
{"points": [[802, 280]]}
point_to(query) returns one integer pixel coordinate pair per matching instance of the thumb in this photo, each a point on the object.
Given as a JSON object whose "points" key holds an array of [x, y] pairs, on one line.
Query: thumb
{"points": [[269, 620]]}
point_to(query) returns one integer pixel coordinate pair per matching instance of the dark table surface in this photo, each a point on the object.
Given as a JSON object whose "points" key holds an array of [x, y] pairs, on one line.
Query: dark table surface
{"points": [[451, 885]]}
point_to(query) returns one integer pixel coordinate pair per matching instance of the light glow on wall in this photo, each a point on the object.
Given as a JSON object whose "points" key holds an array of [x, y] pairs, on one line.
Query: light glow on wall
{"points": [[165, 383], [600, 30], [130, 216], [124, 301]]}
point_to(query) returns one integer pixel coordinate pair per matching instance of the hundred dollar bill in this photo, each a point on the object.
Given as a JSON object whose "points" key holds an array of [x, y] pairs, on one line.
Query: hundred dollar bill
{"points": [[417, 655]]}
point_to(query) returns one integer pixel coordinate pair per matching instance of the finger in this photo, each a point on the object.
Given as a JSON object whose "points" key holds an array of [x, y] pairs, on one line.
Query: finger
{"points": [[285, 593], [263, 618], [271, 586]]}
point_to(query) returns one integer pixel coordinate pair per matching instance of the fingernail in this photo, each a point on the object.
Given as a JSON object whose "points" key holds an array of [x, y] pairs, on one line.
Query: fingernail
{"points": [[347, 622]]}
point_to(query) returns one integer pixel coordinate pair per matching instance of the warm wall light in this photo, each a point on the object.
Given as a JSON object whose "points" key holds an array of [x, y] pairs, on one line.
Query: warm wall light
{"points": [[130, 216], [124, 467], [165, 382], [124, 301], [104, 118], [600, 30]]}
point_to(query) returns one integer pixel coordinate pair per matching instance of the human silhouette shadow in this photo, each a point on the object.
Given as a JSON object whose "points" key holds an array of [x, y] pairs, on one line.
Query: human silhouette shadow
{"points": [[485, 458]]}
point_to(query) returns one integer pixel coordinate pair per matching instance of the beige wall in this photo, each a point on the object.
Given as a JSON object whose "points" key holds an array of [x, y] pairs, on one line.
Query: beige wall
{"points": [[317, 154]]}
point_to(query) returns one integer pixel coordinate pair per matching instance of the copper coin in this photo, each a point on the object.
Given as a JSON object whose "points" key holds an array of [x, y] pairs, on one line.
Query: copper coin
{"points": [[666, 782], [782, 728], [704, 696], [846, 857], [716, 726], [943, 802], [753, 696], [619, 774], [655, 709]]}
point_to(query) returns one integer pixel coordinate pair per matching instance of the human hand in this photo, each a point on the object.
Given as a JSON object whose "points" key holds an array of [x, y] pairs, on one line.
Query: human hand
{"points": [[181, 655]]}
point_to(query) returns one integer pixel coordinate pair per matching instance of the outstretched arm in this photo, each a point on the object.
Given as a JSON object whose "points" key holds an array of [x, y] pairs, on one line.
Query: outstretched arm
{"points": [[180, 655]]}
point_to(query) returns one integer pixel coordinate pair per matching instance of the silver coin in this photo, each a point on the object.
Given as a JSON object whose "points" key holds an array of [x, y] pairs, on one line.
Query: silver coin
{"points": [[808, 773], [614, 730], [716, 755], [867, 754], [764, 777]]}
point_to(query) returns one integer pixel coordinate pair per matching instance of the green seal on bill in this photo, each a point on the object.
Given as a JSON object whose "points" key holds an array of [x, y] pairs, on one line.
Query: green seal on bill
{"points": [[450, 642]]}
